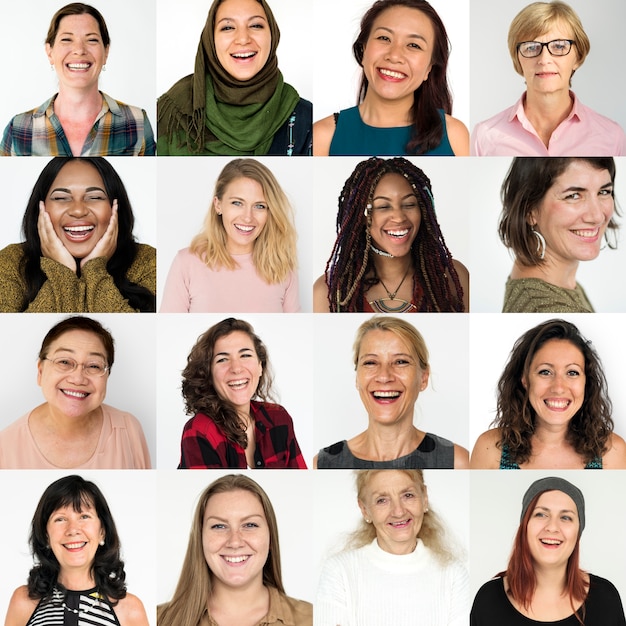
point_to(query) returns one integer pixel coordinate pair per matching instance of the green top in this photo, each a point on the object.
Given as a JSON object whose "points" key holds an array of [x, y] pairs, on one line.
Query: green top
{"points": [[65, 292], [533, 295]]}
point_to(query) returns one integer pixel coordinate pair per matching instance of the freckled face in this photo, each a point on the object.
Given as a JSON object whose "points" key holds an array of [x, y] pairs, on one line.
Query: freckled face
{"points": [[242, 38], [397, 55]]}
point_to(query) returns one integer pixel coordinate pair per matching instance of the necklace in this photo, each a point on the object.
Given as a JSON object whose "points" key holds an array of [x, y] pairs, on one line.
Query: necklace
{"points": [[381, 306], [59, 596]]}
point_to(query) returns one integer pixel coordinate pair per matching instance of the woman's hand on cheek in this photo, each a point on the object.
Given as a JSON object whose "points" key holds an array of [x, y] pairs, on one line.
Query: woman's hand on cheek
{"points": [[51, 245], [107, 245]]}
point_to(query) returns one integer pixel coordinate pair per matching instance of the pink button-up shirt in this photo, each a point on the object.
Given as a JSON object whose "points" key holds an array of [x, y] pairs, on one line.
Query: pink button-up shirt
{"points": [[583, 133]]}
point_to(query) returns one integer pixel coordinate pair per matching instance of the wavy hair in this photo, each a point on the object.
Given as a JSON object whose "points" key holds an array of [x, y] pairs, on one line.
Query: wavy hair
{"points": [[350, 270], [433, 93], [125, 252], [107, 568], [194, 586], [520, 571], [198, 390], [274, 254], [77, 8], [526, 184], [589, 429], [433, 532]]}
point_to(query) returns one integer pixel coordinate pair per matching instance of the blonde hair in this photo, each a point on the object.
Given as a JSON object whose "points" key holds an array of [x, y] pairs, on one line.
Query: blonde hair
{"points": [[274, 254], [432, 532], [536, 19], [194, 584], [406, 331]]}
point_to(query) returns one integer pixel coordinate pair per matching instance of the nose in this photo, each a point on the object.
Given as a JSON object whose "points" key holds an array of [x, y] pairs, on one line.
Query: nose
{"points": [[596, 210], [394, 51], [78, 376], [235, 539], [78, 209], [242, 36], [384, 373], [397, 509]]}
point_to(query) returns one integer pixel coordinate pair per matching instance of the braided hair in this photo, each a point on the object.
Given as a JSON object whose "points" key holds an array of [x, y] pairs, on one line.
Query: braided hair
{"points": [[350, 270]]}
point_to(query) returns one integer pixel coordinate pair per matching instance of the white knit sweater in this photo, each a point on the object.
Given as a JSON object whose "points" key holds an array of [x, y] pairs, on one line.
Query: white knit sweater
{"points": [[371, 587]]}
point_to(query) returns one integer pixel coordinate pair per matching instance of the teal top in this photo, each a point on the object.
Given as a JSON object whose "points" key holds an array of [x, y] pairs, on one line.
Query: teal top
{"points": [[507, 463], [355, 138]]}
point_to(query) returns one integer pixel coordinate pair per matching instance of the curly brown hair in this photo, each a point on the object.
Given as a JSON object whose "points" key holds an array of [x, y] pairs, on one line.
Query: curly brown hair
{"points": [[590, 428], [199, 391]]}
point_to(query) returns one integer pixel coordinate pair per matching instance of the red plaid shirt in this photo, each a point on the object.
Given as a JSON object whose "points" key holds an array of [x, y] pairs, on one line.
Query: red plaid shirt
{"points": [[204, 445]]}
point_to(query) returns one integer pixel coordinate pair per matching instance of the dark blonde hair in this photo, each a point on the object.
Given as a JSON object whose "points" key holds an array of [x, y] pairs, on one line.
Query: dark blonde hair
{"points": [[77, 8], [194, 586]]}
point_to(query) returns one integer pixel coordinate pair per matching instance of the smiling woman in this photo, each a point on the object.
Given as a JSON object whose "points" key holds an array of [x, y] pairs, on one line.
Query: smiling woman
{"points": [[78, 253]]}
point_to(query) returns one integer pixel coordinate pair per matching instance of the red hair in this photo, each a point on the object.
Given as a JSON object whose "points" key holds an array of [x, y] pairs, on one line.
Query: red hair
{"points": [[520, 571]]}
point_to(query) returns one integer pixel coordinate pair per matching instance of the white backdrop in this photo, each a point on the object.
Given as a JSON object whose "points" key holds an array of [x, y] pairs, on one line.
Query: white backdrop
{"points": [[441, 408], [495, 84], [289, 345], [131, 68], [491, 262], [491, 340], [131, 497], [180, 24], [185, 194], [131, 384], [336, 73]]}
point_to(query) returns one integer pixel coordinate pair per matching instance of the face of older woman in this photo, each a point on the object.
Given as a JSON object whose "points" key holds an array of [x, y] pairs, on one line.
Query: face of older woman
{"points": [[395, 505], [78, 52], [74, 537], [552, 530], [389, 377], [235, 539], [242, 38], [556, 382], [79, 207], [397, 55], [73, 394], [574, 214]]}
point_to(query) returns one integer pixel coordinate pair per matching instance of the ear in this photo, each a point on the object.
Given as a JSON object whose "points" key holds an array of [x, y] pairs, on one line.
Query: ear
{"points": [[39, 371], [106, 54], [49, 53], [217, 205], [425, 377], [430, 67], [531, 218], [525, 382], [425, 498], [364, 512]]}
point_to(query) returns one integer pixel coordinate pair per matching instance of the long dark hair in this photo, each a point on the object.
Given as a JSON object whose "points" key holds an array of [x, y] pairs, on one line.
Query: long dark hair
{"points": [[118, 265], [107, 568], [350, 271], [432, 94]]}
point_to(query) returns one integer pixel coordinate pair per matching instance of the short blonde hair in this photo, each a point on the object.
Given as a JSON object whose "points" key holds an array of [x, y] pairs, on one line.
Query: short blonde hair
{"points": [[538, 18], [406, 331], [274, 253]]}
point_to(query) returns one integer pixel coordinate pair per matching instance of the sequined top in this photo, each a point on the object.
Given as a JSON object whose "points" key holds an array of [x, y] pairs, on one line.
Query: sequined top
{"points": [[533, 295]]}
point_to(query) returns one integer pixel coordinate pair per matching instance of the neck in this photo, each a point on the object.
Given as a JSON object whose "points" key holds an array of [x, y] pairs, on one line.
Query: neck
{"points": [[77, 580], [559, 273], [78, 103], [382, 113], [391, 268], [67, 425], [385, 442], [552, 579], [545, 111], [224, 598]]}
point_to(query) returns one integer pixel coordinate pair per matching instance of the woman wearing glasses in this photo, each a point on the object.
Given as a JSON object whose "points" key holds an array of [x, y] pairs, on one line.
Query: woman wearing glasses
{"points": [[548, 44], [73, 428]]}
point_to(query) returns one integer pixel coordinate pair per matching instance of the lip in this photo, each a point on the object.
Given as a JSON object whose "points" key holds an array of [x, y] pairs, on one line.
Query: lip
{"points": [[545, 74], [79, 66], [78, 232], [386, 396], [244, 56], [75, 546], [74, 394], [397, 235], [400, 524], [245, 229], [236, 560], [393, 76], [550, 543], [590, 235], [557, 404], [238, 384]]}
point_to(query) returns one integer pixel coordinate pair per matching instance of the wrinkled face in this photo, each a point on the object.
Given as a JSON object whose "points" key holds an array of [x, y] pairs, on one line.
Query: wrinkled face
{"points": [[396, 215], [552, 530], [398, 52], [395, 505], [73, 394], [236, 369], [546, 73], [74, 537], [244, 212], [79, 207], [242, 38], [78, 52], [556, 382], [575, 212], [389, 377], [235, 538]]}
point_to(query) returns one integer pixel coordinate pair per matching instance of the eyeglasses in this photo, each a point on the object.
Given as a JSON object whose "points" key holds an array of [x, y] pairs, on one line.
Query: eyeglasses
{"points": [[66, 365], [557, 48]]}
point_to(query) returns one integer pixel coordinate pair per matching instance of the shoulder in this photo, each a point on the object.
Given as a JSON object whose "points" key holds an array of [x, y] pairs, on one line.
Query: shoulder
{"points": [[615, 456], [486, 452], [304, 107], [300, 611], [12, 254], [320, 295], [458, 135], [130, 611], [120, 418], [276, 412], [323, 131], [21, 607], [145, 253], [489, 592], [461, 457]]}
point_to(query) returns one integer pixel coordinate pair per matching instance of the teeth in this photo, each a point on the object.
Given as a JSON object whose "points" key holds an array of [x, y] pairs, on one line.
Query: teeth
{"points": [[74, 546], [551, 542], [243, 55], [557, 404], [75, 394], [397, 233], [386, 394], [78, 229], [236, 559], [391, 73], [238, 384], [79, 66], [402, 523], [586, 233], [245, 229]]}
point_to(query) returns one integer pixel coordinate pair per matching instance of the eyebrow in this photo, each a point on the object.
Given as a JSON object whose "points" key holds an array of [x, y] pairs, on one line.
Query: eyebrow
{"points": [[567, 364], [545, 508], [238, 352], [577, 188], [370, 354], [71, 351], [412, 35], [87, 190], [232, 19], [408, 195], [243, 519]]}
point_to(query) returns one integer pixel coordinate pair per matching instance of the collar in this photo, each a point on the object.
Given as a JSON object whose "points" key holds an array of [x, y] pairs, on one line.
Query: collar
{"points": [[108, 104], [517, 110]]}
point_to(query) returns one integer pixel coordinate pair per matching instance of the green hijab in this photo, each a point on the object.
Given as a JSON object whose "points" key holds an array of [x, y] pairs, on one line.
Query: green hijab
{"points": [[211, 112]]}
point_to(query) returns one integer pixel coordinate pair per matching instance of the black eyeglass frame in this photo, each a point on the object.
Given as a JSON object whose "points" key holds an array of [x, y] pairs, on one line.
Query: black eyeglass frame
{"points": [[543, 45]]}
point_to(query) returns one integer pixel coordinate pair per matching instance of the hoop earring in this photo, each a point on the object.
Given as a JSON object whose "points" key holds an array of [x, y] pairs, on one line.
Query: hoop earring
{"points": [[541, 244]]}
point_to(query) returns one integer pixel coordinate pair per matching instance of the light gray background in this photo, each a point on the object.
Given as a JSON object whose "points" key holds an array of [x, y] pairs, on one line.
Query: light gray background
{"points": [[495, 85], [130, 72]]}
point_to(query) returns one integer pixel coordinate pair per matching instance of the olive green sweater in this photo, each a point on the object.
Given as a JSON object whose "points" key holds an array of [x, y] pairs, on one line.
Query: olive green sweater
{"points": [[533, 295], [65, 292]]}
